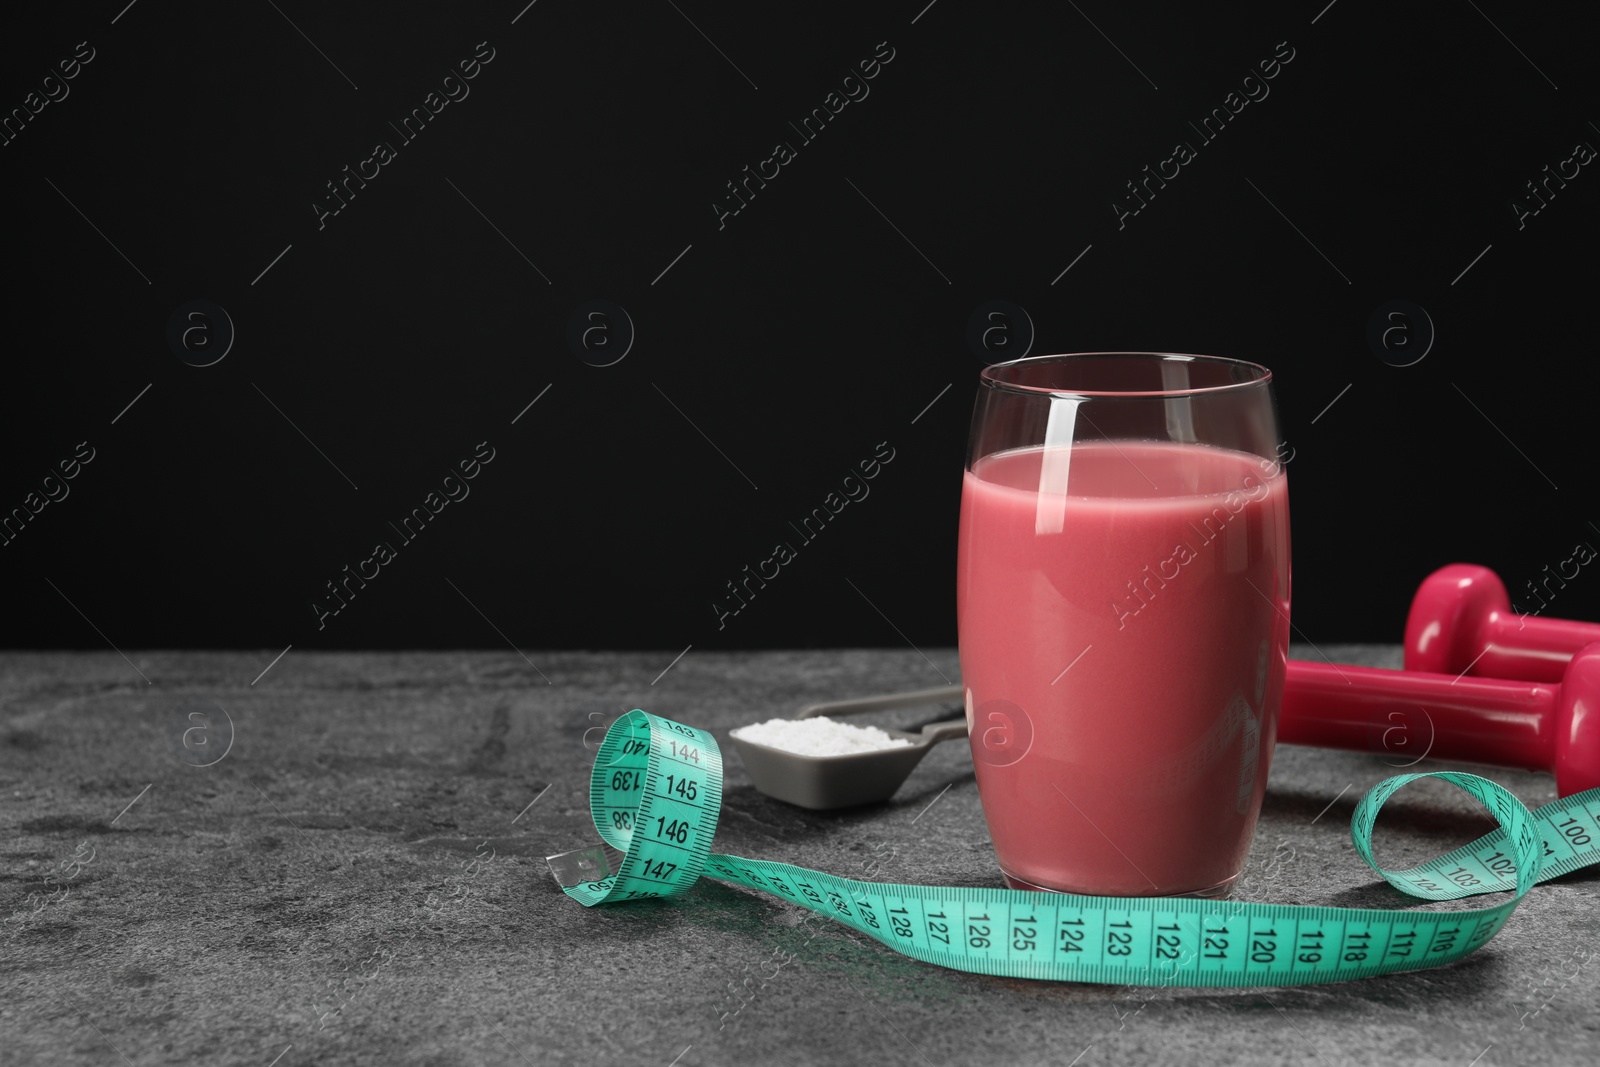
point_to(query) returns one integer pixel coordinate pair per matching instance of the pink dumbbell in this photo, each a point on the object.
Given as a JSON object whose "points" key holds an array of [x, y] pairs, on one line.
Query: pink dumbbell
{"points": [[1532, 725], [1461, 622]]}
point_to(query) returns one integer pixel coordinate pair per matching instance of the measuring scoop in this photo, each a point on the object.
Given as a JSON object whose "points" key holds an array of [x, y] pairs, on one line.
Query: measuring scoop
{"points": [[826, 782]]}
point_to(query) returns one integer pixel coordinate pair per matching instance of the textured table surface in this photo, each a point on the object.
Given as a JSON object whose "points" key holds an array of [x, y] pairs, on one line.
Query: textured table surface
{"points": [[360, 879]]}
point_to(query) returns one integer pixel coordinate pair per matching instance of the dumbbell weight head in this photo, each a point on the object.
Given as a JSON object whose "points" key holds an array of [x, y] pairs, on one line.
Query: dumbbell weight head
{"points": [[1577, 724], [1445, 631]]}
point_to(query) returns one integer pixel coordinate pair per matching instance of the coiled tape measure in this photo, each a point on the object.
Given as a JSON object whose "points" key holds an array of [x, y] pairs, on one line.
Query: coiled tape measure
{"points": [[656, 791]]}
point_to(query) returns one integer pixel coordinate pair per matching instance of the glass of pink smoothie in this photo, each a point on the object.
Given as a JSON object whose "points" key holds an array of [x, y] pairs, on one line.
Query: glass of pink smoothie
{"points": [[1123, 604]]}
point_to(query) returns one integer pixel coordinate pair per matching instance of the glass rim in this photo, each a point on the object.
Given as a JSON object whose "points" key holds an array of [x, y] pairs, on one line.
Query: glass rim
{"points": [[1261, 375]]}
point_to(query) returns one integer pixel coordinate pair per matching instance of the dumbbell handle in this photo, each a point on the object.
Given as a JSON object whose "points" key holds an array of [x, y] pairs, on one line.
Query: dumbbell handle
{"points": [[1406, 714], [1531, 646]]}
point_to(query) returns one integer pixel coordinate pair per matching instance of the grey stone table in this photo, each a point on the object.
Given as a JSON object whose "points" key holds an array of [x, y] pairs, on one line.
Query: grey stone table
{"points": [[360, 879]]}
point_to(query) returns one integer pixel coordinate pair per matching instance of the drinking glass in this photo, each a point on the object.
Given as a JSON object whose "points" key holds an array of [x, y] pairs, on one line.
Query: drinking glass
{"points": [[1123, 608]]}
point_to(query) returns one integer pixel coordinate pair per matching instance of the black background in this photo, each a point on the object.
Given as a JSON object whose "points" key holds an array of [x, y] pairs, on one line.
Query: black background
{"points": [[796, 338]]}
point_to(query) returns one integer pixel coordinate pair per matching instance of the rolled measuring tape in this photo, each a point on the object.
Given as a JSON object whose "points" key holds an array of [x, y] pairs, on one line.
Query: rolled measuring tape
{"points": [[656, 790]]}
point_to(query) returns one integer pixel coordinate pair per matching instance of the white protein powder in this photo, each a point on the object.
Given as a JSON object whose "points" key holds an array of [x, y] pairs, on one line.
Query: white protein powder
{"points": [[820, 736]]}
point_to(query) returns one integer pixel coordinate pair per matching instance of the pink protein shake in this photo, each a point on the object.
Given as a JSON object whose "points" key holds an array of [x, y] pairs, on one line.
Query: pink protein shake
{"points": [[1123, 640]]}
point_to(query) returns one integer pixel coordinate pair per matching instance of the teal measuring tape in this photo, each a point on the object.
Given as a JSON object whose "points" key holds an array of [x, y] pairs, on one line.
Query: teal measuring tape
{"points": [[656, 791]]}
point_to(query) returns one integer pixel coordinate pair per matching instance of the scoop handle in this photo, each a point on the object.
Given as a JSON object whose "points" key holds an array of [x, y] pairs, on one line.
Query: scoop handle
{"points": [[944, 730], [942, 694]]}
